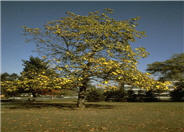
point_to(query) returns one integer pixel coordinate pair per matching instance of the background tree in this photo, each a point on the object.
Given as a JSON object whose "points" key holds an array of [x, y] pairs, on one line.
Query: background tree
{"points": [[95, 94], [36, 76], [115, 95], [150, 96], [131, 96], [173, 70], [10, 79], [178, 93], [89, 46], [36, 65]]}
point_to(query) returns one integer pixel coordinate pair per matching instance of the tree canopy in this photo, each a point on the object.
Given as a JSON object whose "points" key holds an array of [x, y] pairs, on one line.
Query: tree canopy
{"points": [[170, 69], [9, 77], [37, 75], [173, 70], [36, 65], [95, 45]]}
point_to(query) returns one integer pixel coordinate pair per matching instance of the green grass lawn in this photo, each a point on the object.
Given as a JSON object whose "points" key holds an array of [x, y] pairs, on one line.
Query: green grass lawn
{"points": [[63, 116]]}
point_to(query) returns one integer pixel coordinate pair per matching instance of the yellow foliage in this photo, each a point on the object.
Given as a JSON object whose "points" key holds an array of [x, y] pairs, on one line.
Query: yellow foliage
{"points": [[93, 46]]}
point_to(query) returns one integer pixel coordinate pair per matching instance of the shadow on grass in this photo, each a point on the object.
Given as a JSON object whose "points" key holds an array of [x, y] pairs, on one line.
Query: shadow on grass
{"points": [[41, 104]]}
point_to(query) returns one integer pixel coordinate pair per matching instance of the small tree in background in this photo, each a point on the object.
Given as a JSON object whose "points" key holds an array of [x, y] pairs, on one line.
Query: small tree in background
{"points": [[36, 76], [131, 96], [115, 95], [9, 77], [178, 93], [95, 94], [173, 70], [150, 96], [11, 80]]}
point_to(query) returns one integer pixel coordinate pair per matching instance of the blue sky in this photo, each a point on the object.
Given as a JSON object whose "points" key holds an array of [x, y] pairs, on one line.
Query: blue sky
{"points": [[162, 22]]}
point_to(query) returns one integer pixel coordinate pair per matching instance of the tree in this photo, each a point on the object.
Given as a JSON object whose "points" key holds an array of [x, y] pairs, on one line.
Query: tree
{"points": [[4, 76], [36, 65], [36, 76], [115, 95], [96, 45], [131, 96], [178, 93], [170, 69], [150, 96], [10, 79], [95, 94]]}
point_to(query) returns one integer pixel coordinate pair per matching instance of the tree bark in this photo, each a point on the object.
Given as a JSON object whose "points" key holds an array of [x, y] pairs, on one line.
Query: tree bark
{"points": [[122, 86], [81, 97], [82, 89], [34, 94]]}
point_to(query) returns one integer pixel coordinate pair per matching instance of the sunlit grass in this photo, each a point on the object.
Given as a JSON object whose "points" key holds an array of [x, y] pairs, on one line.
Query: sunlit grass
{"points": [[63, 116]]}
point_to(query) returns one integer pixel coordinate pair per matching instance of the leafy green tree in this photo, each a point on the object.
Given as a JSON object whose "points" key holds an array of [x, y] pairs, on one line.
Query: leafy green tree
{"points": [[178, 93], [140, 95], [36, 65], [34, 72], [4, 76], [9, 77], [150, 96], [131, 96], [95, 95], [115, 95], [171, 69], [94, 45]]}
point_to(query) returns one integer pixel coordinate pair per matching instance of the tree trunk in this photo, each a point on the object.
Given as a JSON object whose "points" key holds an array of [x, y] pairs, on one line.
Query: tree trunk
{"points": [[81, 97], [34, 94], [32, 99], [122, 86], [82, 89]]}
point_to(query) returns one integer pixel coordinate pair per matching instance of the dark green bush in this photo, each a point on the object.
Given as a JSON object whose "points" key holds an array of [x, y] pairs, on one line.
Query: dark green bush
{"points": [[95, 95], [178, 93], [115, 95], [150, 96], [131, 96], [140, 96]]}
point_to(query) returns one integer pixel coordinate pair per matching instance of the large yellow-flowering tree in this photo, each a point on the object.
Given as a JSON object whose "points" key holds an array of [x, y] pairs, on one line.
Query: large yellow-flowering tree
{"points": [[95, 45]]}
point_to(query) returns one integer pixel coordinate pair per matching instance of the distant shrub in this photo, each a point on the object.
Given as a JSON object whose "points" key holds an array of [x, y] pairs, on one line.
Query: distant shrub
{"points": [[131, 96], [95, 95], [178, 93], [140, 96], [115, 95], [150, 96]]}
